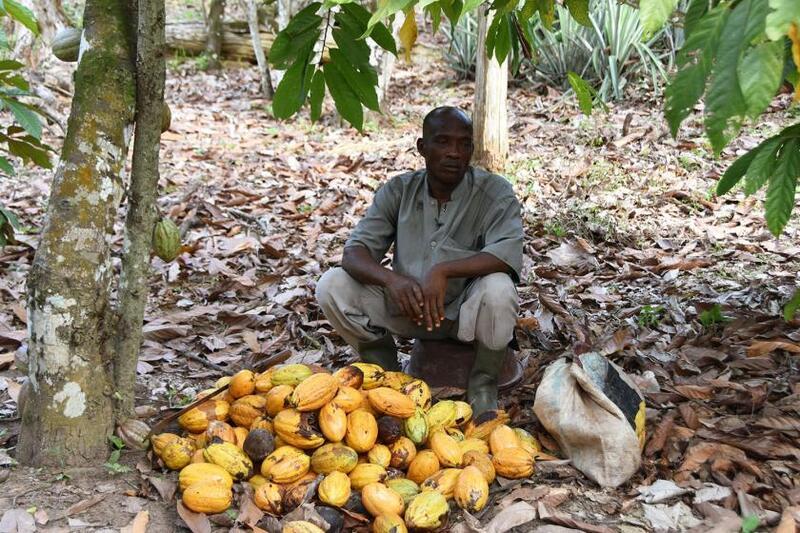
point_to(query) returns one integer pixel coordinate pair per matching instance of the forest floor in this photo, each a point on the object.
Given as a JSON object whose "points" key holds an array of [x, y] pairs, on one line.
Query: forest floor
{"points": [[626, 248]]}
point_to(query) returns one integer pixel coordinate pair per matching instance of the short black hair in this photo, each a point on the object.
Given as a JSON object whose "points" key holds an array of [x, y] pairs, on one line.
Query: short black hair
{"points": [[440, 112]]}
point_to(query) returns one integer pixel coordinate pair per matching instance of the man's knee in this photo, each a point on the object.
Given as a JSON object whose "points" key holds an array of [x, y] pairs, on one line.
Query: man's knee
{"points": [[332, 287], [499, 293]]}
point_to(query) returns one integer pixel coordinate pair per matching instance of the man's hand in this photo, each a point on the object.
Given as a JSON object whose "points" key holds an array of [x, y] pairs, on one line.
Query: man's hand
{"points": [[407, 294], [434, 285]]}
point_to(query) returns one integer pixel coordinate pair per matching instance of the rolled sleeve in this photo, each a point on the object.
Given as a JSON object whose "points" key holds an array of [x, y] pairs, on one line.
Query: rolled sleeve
{"points": [[377, 230], [504, 235]]}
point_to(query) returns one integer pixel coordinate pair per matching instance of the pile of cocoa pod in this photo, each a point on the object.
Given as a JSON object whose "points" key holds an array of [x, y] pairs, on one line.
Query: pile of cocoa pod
{"points": [[374, 438]]}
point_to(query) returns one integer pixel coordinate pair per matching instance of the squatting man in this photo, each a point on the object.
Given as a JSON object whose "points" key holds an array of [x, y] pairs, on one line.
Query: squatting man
{"points": [[457, 236]]}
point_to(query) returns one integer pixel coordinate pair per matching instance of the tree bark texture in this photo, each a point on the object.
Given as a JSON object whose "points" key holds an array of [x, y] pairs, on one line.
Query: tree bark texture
{"points": [[142, 210], [255, 36], [490, 119], [216, 14], [385, 62], [189, 38], [67, 411]]}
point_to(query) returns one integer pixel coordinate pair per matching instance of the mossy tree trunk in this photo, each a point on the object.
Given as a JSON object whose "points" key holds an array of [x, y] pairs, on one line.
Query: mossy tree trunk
{"points": [[216, 14], [67, 412], [491, 88]]}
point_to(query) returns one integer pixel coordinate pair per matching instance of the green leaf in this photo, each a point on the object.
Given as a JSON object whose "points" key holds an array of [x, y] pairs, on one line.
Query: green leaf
{"points": [[4, 39], [502, 44], [25, 117], [30, 152], [750, 524], [379, 33], [763, 164], [293, 88], [317, 95], [791, 307], [347, 103], [356, 51], [760, 74], [695, 11], [362, 83], [303, 30], [6, 167], [654, 14], [782, 184], [781, 16], [21, 14], [385, 8], [470, 6], [579, 9], [327, 4], [10, 217], [735, 172], [583, 91], [10, 64], [452, 10]]}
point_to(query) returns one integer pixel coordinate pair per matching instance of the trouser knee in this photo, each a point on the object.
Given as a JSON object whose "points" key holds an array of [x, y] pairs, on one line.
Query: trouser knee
{"points": [[331, 287], [497, 315]]}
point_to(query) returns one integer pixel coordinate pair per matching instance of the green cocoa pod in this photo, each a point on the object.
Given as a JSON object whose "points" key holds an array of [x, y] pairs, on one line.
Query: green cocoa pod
{"points": [[166, 240]]}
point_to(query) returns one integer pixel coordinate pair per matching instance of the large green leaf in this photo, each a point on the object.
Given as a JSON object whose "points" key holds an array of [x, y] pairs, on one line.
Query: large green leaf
{"points": [[24, 116], [379, 33], [735, 172], [303, 30], [654, 14], [362, 83], [30, 150], [293, 88], [502, 44], [5, 166], [385, 8], [782, 14], [583, 91], [317, 95], [21, 14], [695, 11], [579, 9], [760, 74], [760, 170], [782, 185], [792, 306], [347, 103]]}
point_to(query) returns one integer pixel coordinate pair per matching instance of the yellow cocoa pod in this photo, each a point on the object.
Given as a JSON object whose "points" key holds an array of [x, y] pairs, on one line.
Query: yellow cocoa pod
{"points": [[242, 383], [221, 382], [403, 452], [247, 409], [482, 461], [207, 497], [472, 490], [221, 430], [446, 449], [362, 431], [366, 473], [463, 413], [261, 423], [379, 499], [389, 523], [513, 463], [348, 398], [482, 426], [350, 376], [380, 454], [196, 420], [314, 392], [301, 526], [455, 433], [268, 497], [441, 415], [404, 487], [391, 402], [276, 399], [285, 465], [334, 457], [203, 393], [257, 480], [197, 472], [334, 489], [366, 406], [158, 442], [424, 465], [427, 511], [241, 435], [528, 442], [263, 384], [503, 437], [293, 374], [197, 457], [177, 454], [333, 421], [443, 481], [231, 458], [416, 427], [298, 429], [396, 380], [419, 392], [200, 440], [373, 375], [477, 445]]}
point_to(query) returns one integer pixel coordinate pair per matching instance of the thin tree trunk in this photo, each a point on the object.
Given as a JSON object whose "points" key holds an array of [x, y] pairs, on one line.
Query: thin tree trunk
{"points": [[216, 13], [258, 50], [142, 210], [491, 87], [67, 411]]}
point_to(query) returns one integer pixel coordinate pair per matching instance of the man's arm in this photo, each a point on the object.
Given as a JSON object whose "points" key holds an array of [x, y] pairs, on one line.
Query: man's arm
{"points": [[404, 291]]}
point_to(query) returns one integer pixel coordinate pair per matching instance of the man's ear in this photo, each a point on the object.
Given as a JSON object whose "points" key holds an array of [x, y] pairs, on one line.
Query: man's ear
{"points": [[421, 146]]}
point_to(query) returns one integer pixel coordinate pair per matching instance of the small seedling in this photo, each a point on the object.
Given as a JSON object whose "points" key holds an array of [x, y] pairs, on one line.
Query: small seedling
{"points": [[712, 316], [750, 524], [112, 465], [649, 316], [792, 307], [63, 476]]}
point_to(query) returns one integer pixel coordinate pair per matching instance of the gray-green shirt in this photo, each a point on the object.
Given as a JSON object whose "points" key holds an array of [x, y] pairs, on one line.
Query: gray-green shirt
{"points": [[483, 215]]}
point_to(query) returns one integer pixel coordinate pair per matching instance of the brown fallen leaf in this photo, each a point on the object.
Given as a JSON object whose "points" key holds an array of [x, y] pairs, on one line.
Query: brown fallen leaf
{"points": [[138, 524], [512, 516], [689, 416], [656, 442], [695, 392], [782, 423], [761, 348], [790, 520], [196, 522]]}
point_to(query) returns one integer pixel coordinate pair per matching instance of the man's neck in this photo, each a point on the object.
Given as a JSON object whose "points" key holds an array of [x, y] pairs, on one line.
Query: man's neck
{"points": [[441, 191]]}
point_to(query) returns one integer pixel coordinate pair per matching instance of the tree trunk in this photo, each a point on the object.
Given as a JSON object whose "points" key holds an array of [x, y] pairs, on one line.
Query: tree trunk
{"points": [[142, 210], [216, 13], [67, 411], [258, 50], [385, 62], [491, 86], [190, 39]]}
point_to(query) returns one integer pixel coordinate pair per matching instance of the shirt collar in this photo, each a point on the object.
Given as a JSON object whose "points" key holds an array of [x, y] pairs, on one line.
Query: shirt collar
{"points": [[460, 192]]}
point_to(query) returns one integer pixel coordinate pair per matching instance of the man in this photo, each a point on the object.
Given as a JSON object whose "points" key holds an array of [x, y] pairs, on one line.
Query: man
{"points": [[457, 235]]}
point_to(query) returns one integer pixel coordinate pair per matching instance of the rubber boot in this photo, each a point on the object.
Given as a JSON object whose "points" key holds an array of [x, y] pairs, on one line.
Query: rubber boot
{"points": [[482, 387], [381, 352]]}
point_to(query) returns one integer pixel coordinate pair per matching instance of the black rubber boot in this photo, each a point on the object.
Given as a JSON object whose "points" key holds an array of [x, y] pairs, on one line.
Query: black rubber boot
{"points": [[482, 388], [381, 352]]}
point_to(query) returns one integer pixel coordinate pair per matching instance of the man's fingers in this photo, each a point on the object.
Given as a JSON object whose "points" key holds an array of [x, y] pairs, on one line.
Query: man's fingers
{"points": [[440, 301], [428, 312], [419, 297], [414, 306]]}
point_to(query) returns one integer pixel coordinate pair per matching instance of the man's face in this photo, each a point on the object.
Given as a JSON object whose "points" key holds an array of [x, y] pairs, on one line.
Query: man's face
{"points": [[447, 148]]}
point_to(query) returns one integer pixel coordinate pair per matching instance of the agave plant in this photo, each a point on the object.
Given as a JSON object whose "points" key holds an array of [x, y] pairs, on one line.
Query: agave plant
{"points": [[461, 53]]}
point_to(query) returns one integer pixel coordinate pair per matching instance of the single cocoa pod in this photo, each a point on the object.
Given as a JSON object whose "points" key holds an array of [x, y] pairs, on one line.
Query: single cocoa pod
{"points": [[166, 240], [66, 44], [258, 444], [389, 429]]}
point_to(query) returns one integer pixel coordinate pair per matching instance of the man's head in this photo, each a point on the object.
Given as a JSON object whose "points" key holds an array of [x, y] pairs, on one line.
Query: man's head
{"points": [[446, 144]]}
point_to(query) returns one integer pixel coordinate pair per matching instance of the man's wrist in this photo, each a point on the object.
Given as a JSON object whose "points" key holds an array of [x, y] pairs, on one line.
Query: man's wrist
{"points": [[443, 269]]}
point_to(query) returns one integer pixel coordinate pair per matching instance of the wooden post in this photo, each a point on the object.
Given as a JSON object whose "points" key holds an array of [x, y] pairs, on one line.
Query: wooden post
{"points": [[489, 117]]}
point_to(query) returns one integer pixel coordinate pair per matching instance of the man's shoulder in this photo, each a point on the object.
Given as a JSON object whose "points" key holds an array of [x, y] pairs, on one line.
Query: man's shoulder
{"points": [[400, 182], [494, 186]]}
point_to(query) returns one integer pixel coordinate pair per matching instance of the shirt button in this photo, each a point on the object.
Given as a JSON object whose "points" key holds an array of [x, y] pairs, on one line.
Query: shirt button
{"points": [[433, 244]]}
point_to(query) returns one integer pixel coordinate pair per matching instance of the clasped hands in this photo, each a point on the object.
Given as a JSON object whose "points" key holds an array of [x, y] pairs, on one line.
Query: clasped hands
{"points": [[422, 302]]}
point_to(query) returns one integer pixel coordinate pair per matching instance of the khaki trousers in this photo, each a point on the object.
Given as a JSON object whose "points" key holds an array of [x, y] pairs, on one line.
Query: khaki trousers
{"points": [[363, 313]]}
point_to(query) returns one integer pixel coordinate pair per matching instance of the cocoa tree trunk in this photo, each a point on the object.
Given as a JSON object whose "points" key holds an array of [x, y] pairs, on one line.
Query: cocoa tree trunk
{"points": [[67, 407], [491, 87], [216, 13], [255, 36], [142, 210]]}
